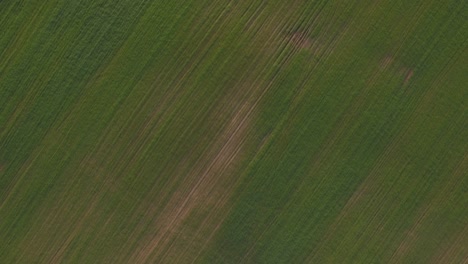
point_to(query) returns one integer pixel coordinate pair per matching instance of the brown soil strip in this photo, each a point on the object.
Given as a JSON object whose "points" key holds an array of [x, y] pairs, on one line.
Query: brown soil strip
{"points": [[200, 188], [455, 252], [386, 62], [59, 255], [369, 185], [412, 234]]}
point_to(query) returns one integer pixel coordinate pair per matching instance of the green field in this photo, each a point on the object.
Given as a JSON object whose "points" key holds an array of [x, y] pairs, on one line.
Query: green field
{"points": [[152, 131]]}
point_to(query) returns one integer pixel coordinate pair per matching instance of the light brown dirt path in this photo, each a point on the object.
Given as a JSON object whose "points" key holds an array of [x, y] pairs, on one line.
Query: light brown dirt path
{"points": [[206, 188]]}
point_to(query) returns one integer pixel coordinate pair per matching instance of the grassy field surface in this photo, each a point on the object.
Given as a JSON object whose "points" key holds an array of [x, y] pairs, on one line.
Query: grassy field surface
{"points": [[153, 131]]}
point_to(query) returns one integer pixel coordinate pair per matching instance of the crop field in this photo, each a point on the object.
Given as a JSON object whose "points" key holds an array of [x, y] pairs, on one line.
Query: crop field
{"points": [[301, 131]]}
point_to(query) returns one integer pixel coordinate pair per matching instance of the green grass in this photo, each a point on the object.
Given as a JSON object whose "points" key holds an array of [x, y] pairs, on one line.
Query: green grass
{"points": [[117, 117]]}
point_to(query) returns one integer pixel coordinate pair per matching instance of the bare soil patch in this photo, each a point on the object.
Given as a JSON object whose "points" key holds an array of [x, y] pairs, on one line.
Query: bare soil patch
{"points": [[408, 75], [300, 40]]}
